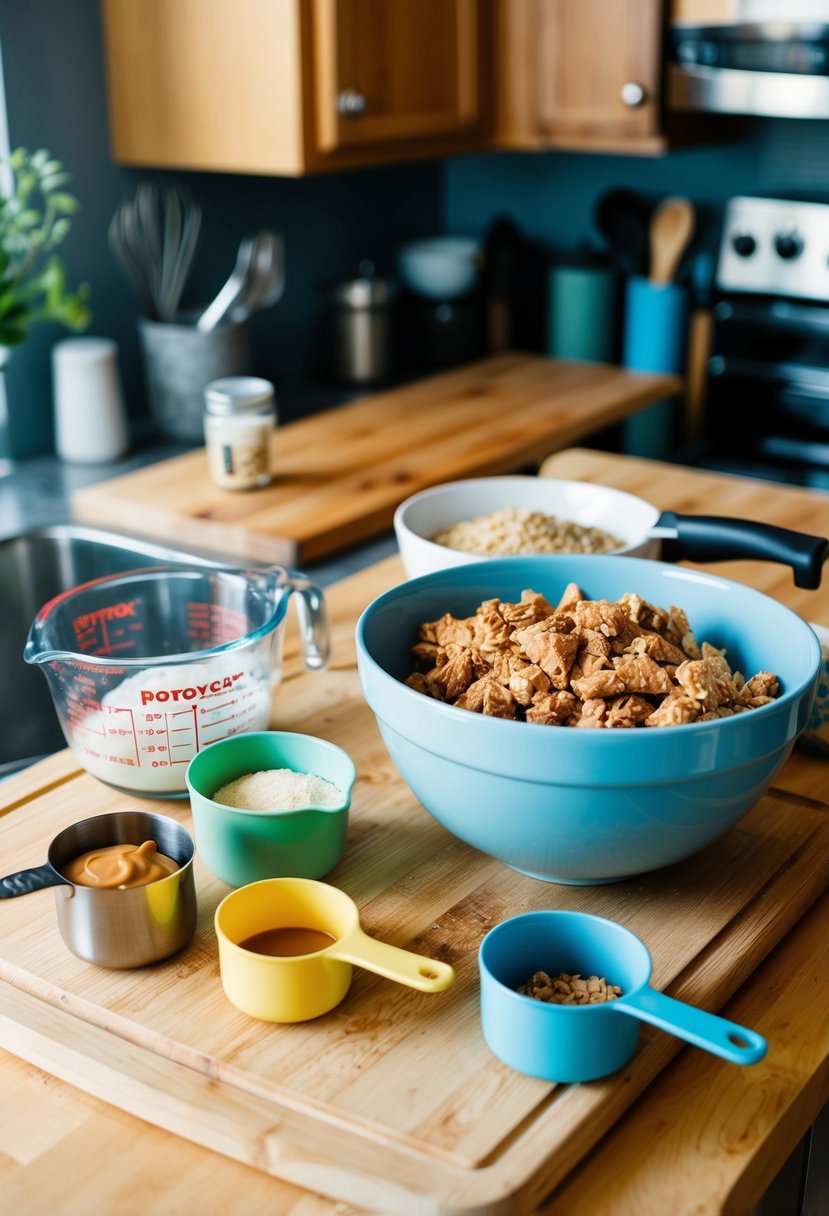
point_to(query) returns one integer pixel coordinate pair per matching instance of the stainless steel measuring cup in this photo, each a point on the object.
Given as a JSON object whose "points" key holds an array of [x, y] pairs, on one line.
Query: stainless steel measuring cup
{"points": [[114, 927], [147, 668], [584, 1042]]}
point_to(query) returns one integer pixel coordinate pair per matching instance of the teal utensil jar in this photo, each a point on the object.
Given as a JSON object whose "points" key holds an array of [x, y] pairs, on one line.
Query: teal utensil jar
{"points": [[582, 307]]}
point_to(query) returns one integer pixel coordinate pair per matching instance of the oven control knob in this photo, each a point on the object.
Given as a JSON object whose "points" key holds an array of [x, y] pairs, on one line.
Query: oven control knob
{"points": [[788, 245], [743, 244]]}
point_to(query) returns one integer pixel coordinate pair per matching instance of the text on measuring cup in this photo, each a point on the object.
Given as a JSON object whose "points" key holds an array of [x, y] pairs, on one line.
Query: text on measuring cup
{"points": [[191, 691]]}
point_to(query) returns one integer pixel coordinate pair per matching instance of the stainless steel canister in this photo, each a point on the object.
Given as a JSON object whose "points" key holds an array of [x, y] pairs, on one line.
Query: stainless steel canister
{"points": [[362, 329], [179, 362]]}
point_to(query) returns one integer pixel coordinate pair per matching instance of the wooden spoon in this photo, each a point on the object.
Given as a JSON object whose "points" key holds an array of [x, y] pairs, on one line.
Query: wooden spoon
{"points": [[671, 228]]}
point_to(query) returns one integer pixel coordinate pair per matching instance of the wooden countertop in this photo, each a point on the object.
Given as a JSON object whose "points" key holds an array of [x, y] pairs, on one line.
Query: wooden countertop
{"points": [[340, 474], [703, 1138]]}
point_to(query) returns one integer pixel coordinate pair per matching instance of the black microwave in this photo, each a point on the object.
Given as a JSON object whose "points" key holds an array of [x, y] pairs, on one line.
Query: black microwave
{"points": [[771, 69]]}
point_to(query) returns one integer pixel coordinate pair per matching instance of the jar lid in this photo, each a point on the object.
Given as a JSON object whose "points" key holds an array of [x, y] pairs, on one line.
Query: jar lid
{"points": [[237, 394], [363, 293]]}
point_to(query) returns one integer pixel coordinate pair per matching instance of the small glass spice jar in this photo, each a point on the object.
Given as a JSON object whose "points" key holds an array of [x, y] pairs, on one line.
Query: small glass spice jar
{"points": [[239, 420]]}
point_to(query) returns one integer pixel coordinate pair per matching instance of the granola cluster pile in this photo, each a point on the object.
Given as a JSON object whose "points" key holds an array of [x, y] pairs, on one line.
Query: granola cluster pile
{"points": [[582, 663]]}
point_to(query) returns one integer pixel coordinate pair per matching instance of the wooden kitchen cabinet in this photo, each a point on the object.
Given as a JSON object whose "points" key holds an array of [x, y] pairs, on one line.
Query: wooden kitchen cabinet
{"points": [[580, 74], [291, 86]]}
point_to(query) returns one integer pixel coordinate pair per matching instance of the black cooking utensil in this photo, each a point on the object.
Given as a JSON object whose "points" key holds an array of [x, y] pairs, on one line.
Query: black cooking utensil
{"points": [[501, 249], [623, 218]]}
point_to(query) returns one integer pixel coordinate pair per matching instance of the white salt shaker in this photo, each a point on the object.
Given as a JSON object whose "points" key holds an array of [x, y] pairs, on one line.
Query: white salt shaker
{"points": [[90, 416], [239, 420]]}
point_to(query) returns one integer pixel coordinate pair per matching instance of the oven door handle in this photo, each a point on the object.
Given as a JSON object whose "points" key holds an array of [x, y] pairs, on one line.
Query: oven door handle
{"points": [[716, 538], [780, 314], [797, 397], [802, 377]]}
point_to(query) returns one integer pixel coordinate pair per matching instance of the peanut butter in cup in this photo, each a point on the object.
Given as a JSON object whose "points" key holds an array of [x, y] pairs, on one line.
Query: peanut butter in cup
{"points": [[119, 866]]}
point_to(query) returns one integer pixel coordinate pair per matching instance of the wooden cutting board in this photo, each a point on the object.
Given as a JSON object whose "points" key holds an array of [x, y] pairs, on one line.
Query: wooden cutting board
{"points": [[339, 475], [391, 1102]]}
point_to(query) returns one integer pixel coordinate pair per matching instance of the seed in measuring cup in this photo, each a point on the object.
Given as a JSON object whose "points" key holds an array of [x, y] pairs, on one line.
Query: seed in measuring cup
{"points": [[278, 789], [567, 989], [514, 530], [119, 866]]}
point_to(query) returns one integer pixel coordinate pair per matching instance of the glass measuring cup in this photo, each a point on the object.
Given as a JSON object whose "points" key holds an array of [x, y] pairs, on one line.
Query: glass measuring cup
{"points": [[149, 667]]}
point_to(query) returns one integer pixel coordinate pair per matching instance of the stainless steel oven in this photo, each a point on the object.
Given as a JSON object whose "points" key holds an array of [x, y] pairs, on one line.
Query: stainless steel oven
{"points": [[768, 383]]}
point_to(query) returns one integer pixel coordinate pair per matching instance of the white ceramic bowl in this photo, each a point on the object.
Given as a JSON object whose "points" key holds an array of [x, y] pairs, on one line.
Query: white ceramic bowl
{"points": [[441, 267], [429, 512]]}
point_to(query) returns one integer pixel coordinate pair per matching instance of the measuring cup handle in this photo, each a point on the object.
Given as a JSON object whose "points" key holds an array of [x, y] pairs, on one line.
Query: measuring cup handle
{"points": [[414, 970], [711, 538], [707, 1030], [26, 881], [314, 626]]}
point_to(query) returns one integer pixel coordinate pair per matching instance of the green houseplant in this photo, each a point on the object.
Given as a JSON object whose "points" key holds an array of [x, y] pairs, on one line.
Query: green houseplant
{"points": [[35, 217]]}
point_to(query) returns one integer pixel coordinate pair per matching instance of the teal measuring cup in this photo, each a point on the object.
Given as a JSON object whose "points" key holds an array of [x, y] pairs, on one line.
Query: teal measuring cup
{"points": [[585, 1042], [244, 846]]}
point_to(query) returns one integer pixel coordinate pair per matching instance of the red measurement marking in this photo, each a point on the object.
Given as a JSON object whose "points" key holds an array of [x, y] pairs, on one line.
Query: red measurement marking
{"points": [[192, 728], [134, 735]]}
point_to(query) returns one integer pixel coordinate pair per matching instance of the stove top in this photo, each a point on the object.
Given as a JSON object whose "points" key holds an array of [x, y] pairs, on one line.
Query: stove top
{"points": [[775, 247]]}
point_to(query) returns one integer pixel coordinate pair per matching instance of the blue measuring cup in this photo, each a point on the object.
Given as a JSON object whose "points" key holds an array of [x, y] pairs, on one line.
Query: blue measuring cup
{"points": [[584, 1042]]}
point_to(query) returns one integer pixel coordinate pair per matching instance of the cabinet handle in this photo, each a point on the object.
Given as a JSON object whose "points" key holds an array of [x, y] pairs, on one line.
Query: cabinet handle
{"points": [[351, 104], [633, 94]]}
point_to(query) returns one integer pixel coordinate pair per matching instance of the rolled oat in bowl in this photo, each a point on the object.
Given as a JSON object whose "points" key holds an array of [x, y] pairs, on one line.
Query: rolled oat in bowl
{"points": [[521, 530]]}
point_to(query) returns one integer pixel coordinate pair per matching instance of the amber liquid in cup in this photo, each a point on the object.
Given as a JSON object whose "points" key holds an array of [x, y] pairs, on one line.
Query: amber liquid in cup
{"points": [[288, 942]]}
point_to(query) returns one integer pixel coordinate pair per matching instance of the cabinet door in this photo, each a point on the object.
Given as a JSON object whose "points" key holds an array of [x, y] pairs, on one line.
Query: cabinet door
{"points": [[394, 71], [578, 73], [205, 84]]}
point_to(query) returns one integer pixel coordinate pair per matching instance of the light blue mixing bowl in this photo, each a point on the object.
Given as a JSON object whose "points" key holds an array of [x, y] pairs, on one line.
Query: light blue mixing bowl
{"points": [[587, 806]]}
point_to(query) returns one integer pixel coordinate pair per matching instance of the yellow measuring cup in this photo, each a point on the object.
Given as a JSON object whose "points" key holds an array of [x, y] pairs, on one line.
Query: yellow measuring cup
{"points": [[290, 915]]}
